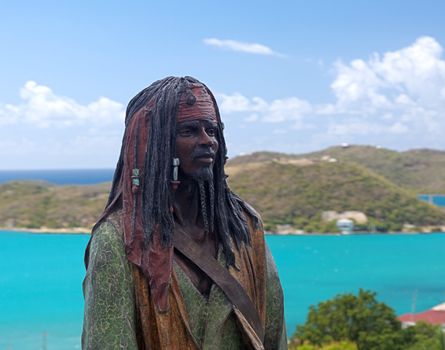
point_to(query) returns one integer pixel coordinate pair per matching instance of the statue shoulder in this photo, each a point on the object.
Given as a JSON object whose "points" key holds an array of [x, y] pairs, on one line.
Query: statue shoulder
{"points": [[252, 211], [253, 217], [109, 316], [251, 214], [106, 242]]}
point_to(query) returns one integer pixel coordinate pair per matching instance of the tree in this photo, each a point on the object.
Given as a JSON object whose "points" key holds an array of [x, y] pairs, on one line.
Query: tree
{"points": [[343, 345], [361, 319], [424, 336]]}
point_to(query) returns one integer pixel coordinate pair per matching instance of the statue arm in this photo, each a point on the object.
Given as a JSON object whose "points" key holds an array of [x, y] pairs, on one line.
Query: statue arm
{"points": [[109, 318], [275, 332]]}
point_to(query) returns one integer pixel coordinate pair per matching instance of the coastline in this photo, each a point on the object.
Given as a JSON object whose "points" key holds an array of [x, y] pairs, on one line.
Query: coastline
{"points": [[355, 233], [47, 230], [420, 230], [85, 230]]}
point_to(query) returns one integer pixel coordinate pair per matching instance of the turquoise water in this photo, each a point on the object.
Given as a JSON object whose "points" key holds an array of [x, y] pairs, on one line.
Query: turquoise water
{"points": [[438, 199], [41, 304], [407, 271], [59, 177], [41, 290]]}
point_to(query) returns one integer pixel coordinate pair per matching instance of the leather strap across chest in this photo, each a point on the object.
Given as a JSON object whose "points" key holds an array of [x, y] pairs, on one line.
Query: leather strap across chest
{"points": [[233, 290]]}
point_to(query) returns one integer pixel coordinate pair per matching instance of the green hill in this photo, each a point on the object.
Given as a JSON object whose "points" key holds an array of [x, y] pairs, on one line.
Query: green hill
{"points": [[40, 204], [422, 170], [288, 191]]}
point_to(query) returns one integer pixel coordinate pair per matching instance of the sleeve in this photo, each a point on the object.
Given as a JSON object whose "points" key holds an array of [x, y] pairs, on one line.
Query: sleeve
{"points": [[275, 333], [109, 316]]}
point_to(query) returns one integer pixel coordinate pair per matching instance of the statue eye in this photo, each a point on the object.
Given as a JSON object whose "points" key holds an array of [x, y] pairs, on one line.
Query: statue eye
{"points": [[186, 131], [211, 131]]}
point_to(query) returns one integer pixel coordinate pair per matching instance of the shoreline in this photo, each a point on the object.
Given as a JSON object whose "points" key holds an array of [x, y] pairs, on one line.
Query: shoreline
{"points": [[84, 230], [47, 230], [353, 233]]}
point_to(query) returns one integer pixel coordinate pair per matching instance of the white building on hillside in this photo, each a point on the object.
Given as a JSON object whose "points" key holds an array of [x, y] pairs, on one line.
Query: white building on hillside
{"points": [[346, 226]]}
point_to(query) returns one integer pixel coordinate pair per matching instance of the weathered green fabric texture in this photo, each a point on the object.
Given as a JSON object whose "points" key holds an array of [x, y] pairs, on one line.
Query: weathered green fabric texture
{"points": [[275, 336], [211, 320], [109, 317], [195, 302], [222, 331]]}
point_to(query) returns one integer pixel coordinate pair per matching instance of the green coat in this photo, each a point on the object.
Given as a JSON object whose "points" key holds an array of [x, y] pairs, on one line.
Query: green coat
{"points": [[110, 319]]}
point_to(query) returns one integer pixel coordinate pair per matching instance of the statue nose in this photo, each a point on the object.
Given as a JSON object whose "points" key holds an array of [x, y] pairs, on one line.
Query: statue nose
{"points": [[204, 138]]}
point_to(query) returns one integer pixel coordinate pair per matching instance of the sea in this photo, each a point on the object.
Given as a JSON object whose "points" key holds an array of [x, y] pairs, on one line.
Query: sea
{"points": [[59, 177], [436, 199], [41, 301]]}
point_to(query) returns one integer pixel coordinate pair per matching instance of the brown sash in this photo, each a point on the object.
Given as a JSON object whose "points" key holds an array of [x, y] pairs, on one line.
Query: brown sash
{"points": [[221, 276]]}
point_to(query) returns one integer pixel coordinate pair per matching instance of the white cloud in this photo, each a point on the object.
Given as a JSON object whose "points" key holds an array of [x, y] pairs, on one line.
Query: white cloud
{"points": [[239, 103], [414, 75], [239, 46], [417, 71], [397, 94], [46, 130], [281, 110], [42, 108], [355, 84], [407, 84], [276, 111]]}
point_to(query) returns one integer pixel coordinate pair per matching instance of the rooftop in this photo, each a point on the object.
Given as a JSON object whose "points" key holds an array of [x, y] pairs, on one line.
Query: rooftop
{"points": [[435, 315]]}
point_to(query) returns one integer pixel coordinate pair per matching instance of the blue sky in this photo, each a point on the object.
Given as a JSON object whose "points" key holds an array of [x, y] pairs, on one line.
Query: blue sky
{"points": [[290, 76]]}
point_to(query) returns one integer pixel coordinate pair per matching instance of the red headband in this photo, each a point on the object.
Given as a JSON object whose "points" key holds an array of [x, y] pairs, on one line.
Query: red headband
{"points": [[196, 105]]}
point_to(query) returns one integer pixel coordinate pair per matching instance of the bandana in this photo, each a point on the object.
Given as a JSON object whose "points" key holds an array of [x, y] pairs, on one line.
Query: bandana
{"points": [[196, 104]]}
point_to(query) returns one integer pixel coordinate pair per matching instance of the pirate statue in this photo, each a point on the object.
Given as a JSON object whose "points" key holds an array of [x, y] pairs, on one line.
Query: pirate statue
{"points": [[177, 260]]}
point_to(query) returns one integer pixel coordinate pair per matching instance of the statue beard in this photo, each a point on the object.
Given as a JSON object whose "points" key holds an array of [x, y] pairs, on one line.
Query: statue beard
{"points": [[203, 175], [204, 181]]}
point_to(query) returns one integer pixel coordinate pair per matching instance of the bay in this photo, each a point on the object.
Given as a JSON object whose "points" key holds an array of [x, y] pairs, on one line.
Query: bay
{"points": [[41, 302], [59, 177]]}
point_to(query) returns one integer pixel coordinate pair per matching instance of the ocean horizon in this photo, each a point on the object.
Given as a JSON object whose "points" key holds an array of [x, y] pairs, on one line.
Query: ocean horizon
{"points": [[59, 177]]}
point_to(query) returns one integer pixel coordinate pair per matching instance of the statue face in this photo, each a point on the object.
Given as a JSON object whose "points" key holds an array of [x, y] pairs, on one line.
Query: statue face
{"points": [[196, 147]]}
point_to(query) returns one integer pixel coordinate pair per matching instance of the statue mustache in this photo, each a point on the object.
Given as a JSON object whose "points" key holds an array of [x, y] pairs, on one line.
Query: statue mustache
{"points": [[201, 151]]}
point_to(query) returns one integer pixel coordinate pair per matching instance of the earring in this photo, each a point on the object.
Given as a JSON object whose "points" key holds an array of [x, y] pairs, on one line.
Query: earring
{"points": [[175, 182], [135, 181]]}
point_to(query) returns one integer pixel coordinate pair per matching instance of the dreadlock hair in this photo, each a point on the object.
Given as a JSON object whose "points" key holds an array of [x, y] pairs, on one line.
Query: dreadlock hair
{"points": [[227, 211]]}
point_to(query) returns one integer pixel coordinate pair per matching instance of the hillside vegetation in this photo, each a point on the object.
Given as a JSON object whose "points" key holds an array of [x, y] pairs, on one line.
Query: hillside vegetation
{"points": [[40, 204], [422, 170], [285, 191]]}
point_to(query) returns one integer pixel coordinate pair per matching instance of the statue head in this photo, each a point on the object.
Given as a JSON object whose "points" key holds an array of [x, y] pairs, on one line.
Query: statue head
{"points": [[174, 118], [197, 141]]}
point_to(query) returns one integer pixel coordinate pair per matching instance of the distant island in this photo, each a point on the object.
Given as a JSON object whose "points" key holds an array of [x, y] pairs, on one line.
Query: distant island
{"points": [[41, 206], [376, 188]]}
